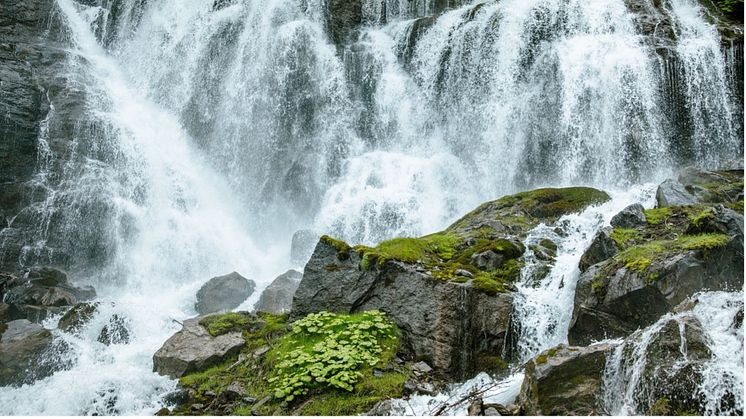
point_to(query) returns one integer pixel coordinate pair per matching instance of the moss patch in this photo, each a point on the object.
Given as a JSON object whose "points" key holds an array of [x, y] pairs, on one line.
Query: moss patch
{"points": [[657, 216], [623, 237], [343, 249], [221, 324]]}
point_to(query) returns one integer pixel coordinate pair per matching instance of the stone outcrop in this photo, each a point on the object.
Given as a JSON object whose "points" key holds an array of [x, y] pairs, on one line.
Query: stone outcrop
{"points": [[223, 293], [566, 381], [277, 298], [194, 349], [602, 247], [452, 314], [39, 292], [679, 251], [22, 343]]}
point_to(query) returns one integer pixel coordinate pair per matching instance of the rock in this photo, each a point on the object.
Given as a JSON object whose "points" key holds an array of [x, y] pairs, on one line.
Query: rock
{"points": [[57, 297], [665, 373], [21, 345], [77, 316], [377, 373], [115, 332], [386, 408], [475, 408], [421, 367], [662, 266], [565, 381], [491, 411], [223, 293], [464, 273], [630, 217], [197, 407], [176, 398], [194, 349], [487, 260], [234, 391], [164, 411], [248, 400], [602, 248], [258, 353], [342, 18], [277, 298], [46, 276], [671, 193], [301, 248]]}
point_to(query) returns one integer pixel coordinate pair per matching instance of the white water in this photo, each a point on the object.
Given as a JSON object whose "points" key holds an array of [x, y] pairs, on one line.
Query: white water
{"points": [[215, 134], [625, 378]]}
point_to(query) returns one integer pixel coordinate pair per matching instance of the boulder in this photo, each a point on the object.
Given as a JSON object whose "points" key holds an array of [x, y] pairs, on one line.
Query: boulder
{"points": [[668, 360], [301, 248], [277, 298], [612, 301], [446, 323], [77, 316], [42, 292], [602, 247], [671, 193], [565, 381], [115, 332], [223, 293], [342, 18], [630, 217], [194, 349], [21, 345], [453, 315]]}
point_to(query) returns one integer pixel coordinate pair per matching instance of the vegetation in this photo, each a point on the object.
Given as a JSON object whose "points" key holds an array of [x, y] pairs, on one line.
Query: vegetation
{"points": [[638, 258], [323, 365], [728, 6], [331, 350], [657, 216], [221, 324]]}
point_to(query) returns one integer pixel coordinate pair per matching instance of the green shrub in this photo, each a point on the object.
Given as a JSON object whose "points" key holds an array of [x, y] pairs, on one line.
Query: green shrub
{"points": [[330, 351]]}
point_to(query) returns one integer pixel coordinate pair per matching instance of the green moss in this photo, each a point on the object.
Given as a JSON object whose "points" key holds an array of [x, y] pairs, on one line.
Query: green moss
{"points": [[639, 258], [428, 249], [554, 203], [702, 241], [343, 249], [657, 216], [221, 324], [490, 363], [624, 236], [369, 391], [736, 206], [548, 244], [542, 359]]}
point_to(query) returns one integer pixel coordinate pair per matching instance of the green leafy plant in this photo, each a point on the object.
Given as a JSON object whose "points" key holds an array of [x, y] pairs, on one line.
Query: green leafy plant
{"points": [[326, 350]]}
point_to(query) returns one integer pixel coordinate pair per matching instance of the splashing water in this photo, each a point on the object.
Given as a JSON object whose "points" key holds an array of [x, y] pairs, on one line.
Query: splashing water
{"points": [[626, 376]]}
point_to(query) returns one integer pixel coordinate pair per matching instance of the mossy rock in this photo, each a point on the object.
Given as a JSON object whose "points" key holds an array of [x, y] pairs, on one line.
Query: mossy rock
{"points": [[520, 212]]}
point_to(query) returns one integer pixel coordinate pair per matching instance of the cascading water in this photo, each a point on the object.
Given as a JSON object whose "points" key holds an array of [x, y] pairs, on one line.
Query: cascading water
{"points": [[211, 131], [628, 376]]}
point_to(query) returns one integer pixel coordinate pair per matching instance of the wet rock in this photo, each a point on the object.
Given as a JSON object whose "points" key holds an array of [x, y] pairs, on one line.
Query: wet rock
{"points": [[164, 411], [176, 398], [194, 349], [611, 306], [671, 193], [77, 316], [21, 345], [223, 293], [421, 367], [718, 219], [491, 411], [602, 248], [46, 276], [116, 331], [29, 299], [630, 217], [385, 408], [277, 298], [565, 381], [475, 407], [342, 18], [302, 245]]}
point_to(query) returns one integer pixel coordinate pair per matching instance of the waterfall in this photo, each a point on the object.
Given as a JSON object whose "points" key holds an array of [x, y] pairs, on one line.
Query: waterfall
{"points": [[195, 137]]}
